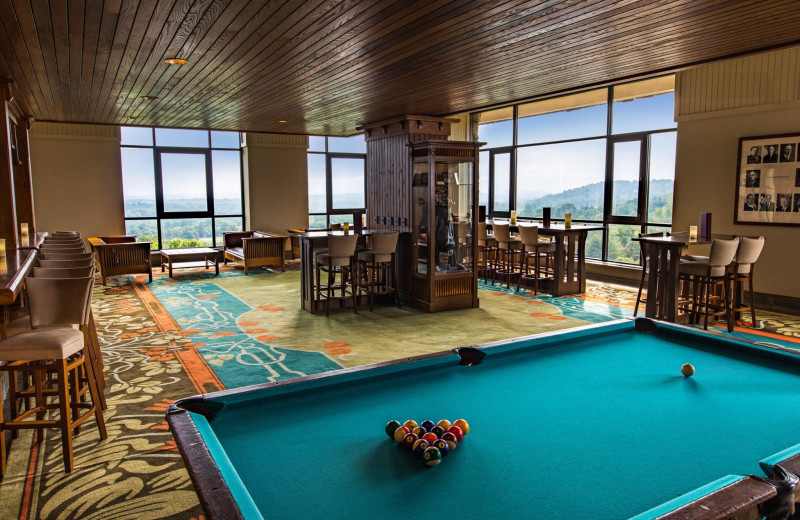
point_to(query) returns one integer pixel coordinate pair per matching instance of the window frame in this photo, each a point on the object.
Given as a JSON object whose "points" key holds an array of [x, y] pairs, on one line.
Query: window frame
{"points": [[329, 209], [641, 219], [210, 213]]}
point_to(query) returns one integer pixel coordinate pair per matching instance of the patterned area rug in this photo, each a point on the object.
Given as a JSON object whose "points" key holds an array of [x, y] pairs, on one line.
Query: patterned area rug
{"points": [[200, 333]]}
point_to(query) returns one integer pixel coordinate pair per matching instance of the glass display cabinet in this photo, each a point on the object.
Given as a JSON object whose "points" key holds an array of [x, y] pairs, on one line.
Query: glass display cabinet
{"points": [[444, 215]]}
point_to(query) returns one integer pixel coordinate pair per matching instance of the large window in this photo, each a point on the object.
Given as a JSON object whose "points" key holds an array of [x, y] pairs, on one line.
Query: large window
{"points": [[606, 155], [182, 188], [336, 179]]}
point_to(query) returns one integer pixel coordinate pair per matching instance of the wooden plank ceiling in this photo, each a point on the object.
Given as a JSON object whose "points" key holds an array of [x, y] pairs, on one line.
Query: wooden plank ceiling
{"points": [[326, 67]]}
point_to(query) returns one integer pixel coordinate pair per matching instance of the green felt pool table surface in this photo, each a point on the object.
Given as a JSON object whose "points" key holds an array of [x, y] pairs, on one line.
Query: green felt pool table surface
{"points": [[595, 423]]}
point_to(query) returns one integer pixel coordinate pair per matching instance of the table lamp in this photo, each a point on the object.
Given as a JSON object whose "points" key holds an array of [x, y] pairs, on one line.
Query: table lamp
{"points": [[693, 233]]}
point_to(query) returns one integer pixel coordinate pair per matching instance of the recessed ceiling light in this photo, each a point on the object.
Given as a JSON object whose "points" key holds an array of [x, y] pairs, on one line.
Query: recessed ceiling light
{"points": [[131, 117], [283, 121], [149, 98], [176, 61]]}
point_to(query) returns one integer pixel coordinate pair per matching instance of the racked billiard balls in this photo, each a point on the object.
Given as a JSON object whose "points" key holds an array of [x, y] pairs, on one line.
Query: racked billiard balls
{"points": [[400, 433], [420, 446], [455, 430], [430, 437], [409, 440], [427, 425], [419, 431], [432, 456], [391, 426], [410, 424], [438, 431], [442, 446], [451, 440], [444, 423], [461, 423]]}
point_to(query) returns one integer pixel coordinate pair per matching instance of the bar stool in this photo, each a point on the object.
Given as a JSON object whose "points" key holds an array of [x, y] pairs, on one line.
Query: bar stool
{"points": [[746, 255], [56, 305], [377, 273], [705, 275], [509, 250], [64, 254], [338, 260], [487, 253], [535, 249]]}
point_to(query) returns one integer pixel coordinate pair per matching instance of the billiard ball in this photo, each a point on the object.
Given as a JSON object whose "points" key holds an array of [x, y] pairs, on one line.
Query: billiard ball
{"points": [[409, 440], [430, 437], [444, 423], [420, 446], [687, 370], [391, 426], [455, 430], [461, 423], [410, 424], [400, 433], [432, 456], [451, 440], [427, 425], [442, 446], [419, 431], [438, 431]]}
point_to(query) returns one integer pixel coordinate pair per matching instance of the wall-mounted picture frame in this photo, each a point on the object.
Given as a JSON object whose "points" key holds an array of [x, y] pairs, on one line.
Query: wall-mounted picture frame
{"points": [[768, 180]]}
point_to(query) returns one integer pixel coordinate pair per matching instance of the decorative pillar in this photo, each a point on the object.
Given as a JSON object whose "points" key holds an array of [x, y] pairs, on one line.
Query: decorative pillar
{"points": [[8, 220], [21, 159]]}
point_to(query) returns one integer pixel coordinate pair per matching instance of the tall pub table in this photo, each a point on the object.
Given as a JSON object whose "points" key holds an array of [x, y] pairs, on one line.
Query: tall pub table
{"points": [[569, 265], [662, 265], [309, 241]]}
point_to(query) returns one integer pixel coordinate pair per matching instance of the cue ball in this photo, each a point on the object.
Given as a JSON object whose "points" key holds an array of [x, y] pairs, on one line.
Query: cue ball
{"points": [[687, 370]]}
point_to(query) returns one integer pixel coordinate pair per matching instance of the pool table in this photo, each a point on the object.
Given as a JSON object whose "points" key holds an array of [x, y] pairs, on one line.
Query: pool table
{"points": [[595, 422]]}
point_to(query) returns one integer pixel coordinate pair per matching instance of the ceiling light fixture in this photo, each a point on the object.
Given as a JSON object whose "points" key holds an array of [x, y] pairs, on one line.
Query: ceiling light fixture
{"points": [[149, 98], [176, 61], [283, 121]]}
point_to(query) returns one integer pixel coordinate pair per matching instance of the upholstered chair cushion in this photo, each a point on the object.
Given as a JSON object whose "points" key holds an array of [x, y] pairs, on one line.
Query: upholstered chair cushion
{"points": [[41, 344]]}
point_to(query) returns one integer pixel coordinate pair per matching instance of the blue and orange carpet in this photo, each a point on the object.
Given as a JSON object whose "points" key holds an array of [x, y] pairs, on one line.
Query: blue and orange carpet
{"points": [[201, 333]]}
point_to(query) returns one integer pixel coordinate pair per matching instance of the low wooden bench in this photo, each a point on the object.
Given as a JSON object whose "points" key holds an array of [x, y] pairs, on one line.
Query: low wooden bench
{"points": [[251, 248], [121, 254]]}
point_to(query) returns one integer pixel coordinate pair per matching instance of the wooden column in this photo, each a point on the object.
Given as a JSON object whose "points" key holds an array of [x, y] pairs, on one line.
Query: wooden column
{"points": [[23, 187], [388, 196], [8, 219]]}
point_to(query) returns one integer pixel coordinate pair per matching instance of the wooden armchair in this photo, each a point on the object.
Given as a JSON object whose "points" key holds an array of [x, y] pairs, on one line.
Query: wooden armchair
{"points": [[121, 254], [251, 248]]}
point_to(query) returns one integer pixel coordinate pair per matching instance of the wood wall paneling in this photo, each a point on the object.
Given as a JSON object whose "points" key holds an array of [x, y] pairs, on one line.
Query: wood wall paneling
{"points": [[327, 66], [751, 81], [8, 218]]}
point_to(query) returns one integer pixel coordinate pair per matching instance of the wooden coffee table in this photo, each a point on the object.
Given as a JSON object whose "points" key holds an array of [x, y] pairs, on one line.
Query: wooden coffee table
{"points": [[190, 254]]}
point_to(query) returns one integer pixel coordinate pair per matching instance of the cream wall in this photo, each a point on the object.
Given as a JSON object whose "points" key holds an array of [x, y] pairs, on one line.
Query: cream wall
{"points": [[276, 181], [715, 106], [77, 178]]}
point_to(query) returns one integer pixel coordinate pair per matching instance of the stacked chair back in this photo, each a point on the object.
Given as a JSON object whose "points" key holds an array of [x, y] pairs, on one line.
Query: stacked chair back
{"points": [[66, 263], [63, 272]]}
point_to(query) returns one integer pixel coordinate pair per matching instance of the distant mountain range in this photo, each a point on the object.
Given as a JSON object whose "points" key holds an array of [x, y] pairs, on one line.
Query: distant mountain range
{"points": [[591, 195]]}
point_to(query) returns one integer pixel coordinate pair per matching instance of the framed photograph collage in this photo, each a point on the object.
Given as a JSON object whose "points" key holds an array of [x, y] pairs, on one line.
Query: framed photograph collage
{"points": [[768, 184]]}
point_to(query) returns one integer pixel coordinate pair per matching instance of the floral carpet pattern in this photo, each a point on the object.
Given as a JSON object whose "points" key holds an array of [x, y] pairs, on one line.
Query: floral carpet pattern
{"points": [[201, 333]]}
